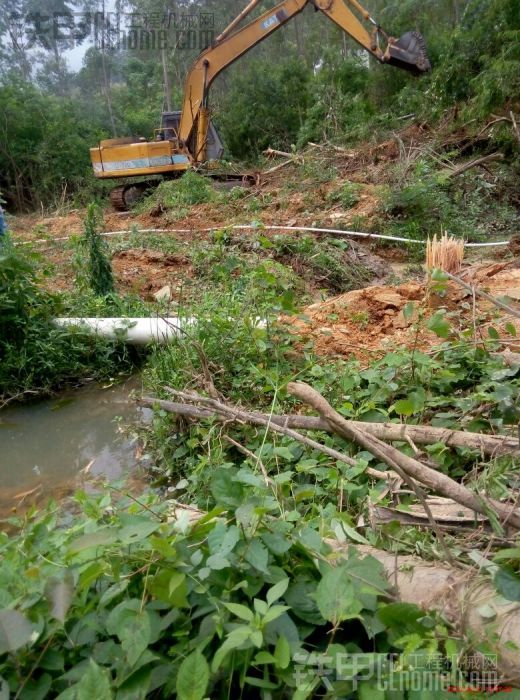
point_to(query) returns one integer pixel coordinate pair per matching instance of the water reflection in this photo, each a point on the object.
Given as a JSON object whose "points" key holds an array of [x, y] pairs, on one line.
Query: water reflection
{"points": [[46, 446]]}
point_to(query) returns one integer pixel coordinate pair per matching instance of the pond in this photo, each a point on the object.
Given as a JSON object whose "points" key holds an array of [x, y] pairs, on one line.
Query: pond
{"points": [[50, 447]]}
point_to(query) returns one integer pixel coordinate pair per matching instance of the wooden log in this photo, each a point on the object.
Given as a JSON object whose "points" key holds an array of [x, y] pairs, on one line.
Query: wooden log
{"points": [[492, 445], [413, 468]]}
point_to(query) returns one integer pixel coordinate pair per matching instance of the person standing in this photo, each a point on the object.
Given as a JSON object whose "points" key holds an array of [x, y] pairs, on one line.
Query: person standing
{"points": [[3, 225]]}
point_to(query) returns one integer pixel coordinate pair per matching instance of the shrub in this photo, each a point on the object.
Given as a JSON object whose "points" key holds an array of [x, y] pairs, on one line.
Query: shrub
{"points": [[34, 354]]}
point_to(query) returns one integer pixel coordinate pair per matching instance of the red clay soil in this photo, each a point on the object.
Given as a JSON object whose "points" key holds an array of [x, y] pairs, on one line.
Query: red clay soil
{"points": [[144, 272], [368, 323]]}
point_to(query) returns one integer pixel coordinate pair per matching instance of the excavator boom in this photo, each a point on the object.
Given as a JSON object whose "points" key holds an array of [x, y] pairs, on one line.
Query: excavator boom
{"points": [[407, 53]]}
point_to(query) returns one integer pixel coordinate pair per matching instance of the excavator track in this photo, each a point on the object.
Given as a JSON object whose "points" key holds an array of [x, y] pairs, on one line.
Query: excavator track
{"points": [[117, 199], [125, 197]]}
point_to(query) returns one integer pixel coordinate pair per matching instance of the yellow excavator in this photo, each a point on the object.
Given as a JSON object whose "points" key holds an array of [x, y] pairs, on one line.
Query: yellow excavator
{"points": [[188, 138]]}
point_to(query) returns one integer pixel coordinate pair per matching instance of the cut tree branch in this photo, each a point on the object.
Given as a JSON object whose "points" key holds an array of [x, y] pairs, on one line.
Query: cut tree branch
{"points": [[492, 445], [472, 289], [437, 481], [474, 163]]}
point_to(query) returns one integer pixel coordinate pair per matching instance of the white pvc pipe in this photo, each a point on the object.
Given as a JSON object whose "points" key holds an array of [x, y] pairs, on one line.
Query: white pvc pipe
{"points": [[134, 331], [267, 227]]}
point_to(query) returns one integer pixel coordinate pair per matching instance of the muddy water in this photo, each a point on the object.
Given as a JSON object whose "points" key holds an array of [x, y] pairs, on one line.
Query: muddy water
{"points": [[51, 447]]}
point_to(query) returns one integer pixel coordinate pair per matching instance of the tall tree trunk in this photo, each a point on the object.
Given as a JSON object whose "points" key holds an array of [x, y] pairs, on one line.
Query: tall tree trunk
{"points": [[106, 77], [166, 81]]}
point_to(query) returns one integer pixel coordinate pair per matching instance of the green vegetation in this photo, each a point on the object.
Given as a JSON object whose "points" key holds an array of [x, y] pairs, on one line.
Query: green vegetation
{"points": [[243, 602], [35, 355], [122, 599], [176, 196], [222, 578], [424, 199], [93, 266]]}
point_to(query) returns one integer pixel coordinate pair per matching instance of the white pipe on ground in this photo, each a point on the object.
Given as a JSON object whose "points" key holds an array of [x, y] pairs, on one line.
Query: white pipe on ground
{"points": [[134, 331]]}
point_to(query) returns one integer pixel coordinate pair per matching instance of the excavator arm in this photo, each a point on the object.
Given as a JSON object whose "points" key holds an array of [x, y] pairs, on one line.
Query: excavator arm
{"points": [[407, 53]]}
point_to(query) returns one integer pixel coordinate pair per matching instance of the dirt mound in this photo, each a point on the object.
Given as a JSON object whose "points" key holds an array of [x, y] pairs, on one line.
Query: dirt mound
{"points": [[144, 271], [370, 322]]}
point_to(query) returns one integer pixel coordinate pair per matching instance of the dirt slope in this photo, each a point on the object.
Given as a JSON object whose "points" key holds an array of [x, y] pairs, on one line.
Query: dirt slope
{"points": [[367, 323]]}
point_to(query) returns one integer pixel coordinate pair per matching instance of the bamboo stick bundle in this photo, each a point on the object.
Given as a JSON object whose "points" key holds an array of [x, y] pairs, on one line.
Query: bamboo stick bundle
{"points": [[445, 253]]}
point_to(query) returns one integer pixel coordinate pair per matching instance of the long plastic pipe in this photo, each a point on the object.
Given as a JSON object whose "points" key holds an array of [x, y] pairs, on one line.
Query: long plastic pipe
{"points": [[134, 331], [264, 227]]}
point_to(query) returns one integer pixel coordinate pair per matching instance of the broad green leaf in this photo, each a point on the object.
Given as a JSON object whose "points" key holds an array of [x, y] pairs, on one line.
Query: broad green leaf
{"points": [[91, 573], [511, 553], [335, 596], [284, 452], [510, 328], [261, 606], [260, 683], [404, 407], [439, 325], [240, 611], [400, 617], [100, 538], [136, 686], [234, 640], [138, 529], [118, 616], [408, 310], [225, 490], [94, 684], [301, 597], [344, 529], [59, 593], [274, 612], [217, 562], [135, 636], [277, 591], [15, 630], [507, 584], [282, 652], [113, 591], [264, 657], [493, 333], [193, 677], [257, 555], [276, 542]]}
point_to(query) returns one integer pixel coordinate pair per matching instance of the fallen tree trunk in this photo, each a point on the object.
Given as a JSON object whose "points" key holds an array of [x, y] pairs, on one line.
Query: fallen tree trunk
{"points": [[493, 445]]}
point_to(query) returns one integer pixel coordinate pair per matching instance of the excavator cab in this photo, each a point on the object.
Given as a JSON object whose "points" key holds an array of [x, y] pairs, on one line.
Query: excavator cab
{"points": [[408, 53]]}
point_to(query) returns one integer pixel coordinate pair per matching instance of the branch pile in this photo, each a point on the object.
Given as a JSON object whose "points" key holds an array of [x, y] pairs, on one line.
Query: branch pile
{"points": [[370, 436]]}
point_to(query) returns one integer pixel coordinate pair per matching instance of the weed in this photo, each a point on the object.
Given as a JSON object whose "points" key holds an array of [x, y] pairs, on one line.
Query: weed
{"points": [[347, 195], [92, 263], [36, 355], [176, 196]]}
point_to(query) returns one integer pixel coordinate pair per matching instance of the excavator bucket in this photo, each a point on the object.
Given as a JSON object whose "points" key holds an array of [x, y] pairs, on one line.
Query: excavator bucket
{"points": [[409, 53]]}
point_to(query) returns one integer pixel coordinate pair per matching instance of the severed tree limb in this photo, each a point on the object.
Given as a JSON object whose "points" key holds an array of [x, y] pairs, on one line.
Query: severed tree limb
{"points": [[473, 164], [437, 481], [458, 597], [233, 413], [493, 445], [475, 290], [515, 126]]}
